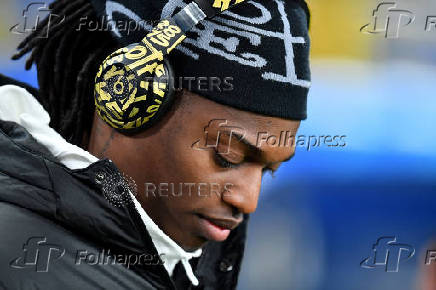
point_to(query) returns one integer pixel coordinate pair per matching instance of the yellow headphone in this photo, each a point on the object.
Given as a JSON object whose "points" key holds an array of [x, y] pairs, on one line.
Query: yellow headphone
{"points": [[134, 85]]}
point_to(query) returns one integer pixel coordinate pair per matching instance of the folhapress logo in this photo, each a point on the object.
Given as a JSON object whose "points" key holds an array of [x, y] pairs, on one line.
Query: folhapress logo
{"points": [[430, 257], [32, 17], [389, 254], [37, 254], [213, 133], [388, 20]]}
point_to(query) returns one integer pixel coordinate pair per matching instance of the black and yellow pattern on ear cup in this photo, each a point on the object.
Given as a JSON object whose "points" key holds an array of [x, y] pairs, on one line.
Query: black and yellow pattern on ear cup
{"points": [[133, 86]]}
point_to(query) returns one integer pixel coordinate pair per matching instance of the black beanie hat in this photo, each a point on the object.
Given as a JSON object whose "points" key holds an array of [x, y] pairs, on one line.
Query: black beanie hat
{"points": [[257, 53]]}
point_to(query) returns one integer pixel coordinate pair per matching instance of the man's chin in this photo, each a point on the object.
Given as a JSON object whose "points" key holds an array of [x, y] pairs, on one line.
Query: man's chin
{"points": [[199, 242]]}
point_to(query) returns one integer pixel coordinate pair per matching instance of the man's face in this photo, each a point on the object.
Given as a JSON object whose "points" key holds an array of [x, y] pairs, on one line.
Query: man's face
{"points": [[200, 169]]}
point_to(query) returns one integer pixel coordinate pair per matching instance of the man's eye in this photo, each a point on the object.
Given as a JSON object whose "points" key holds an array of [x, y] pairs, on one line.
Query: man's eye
{"points": [[221, 161]]}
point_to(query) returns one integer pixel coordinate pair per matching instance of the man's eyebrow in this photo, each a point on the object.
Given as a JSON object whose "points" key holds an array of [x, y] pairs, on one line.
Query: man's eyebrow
{"points": [[256, 150], [250, 145]]}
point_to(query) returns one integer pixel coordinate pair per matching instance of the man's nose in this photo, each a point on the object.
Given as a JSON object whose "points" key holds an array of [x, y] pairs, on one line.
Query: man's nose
{"points": [[243, 193]]}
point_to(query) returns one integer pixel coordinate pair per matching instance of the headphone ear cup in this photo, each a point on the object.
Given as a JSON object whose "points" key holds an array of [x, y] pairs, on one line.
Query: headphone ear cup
{"points": [[130, 100], [163, 81]]}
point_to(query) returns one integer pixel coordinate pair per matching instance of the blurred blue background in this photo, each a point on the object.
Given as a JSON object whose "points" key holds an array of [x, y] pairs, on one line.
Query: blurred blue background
{"points": [[319, 217]]}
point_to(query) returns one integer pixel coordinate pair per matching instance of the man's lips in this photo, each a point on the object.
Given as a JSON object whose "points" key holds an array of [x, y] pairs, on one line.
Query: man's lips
{"points": [[224, 223], [217, 229]]}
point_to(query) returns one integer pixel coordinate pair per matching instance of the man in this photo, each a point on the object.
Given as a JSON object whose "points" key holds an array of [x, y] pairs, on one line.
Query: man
{"points": [[85, 206]]}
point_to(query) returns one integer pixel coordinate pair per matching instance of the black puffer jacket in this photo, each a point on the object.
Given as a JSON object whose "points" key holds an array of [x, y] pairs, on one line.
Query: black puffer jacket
{"points": [[58, 231]]}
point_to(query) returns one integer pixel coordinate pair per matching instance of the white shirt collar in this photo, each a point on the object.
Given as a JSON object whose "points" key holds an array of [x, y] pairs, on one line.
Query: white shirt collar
{"points": [[170, 252], [18, 106]]}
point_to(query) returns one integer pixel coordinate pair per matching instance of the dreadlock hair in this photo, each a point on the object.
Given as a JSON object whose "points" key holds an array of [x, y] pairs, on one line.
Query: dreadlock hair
{"points": [[67, 59]]}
